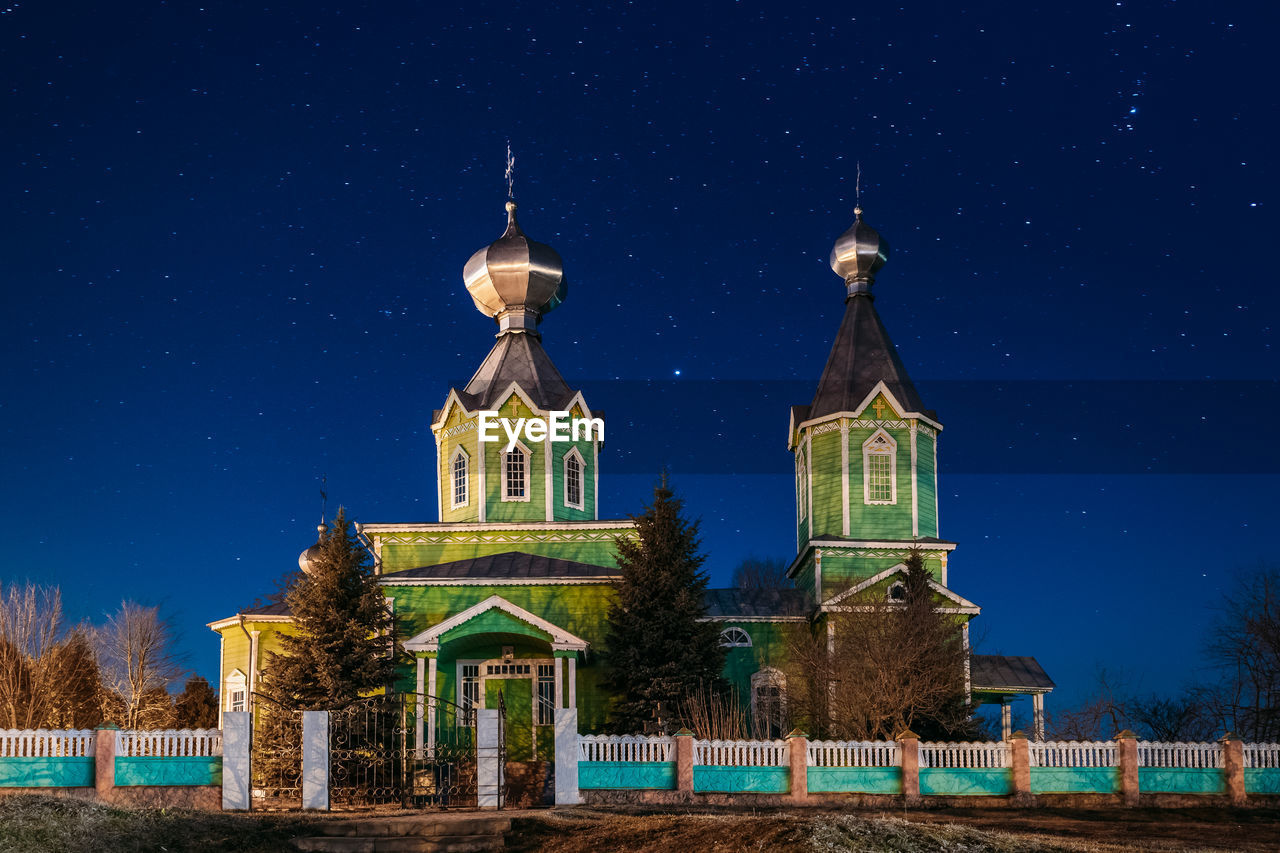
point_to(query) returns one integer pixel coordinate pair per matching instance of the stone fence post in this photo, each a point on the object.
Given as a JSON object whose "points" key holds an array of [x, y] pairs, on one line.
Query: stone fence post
{"points": [[684, 761], [315, 760], [1020, 760], [1233, 768], [1127, 746], [489, 769], [798, 749], [237, 730], [104, 761], [567, 793], [909, 749]]}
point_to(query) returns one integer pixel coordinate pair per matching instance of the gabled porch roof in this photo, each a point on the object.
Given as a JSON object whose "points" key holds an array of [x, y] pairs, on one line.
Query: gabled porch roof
{"points": [[560, 639]]}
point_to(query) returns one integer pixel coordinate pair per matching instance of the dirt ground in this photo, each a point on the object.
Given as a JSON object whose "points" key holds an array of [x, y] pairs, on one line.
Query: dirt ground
{"points": [[694, 831]]}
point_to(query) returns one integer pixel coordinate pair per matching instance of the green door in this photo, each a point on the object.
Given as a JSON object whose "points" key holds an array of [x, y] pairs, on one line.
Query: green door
{"points": [[518, 695]]}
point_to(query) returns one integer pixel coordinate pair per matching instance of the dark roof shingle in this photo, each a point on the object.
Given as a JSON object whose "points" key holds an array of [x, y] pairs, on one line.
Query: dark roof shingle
{"points": [[510, 564], [756, 603], [1003, 672]]}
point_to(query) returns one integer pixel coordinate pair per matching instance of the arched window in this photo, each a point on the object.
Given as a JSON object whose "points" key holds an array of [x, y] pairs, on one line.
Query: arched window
{"points": [[573, 479], [237, 692], [802, 481], [769, 703], [735, 638], [461, 480], [897, 591], [880, 469], [515, 474]]}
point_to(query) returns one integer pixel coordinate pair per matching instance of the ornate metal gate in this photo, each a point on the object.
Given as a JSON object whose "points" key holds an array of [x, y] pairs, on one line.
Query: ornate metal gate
{"points": [[275, 756], [404, 749]]}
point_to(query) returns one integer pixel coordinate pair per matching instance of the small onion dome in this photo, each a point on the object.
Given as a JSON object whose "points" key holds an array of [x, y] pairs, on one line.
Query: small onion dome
{"points": [[307, 559], [514, 279], [858, 255]]}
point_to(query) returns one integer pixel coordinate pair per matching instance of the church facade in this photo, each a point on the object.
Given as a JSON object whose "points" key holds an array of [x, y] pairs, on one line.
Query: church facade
{"points": [[507, 594]]}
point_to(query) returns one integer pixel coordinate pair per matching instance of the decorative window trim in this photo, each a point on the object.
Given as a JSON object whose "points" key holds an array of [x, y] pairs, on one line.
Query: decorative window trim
{"points": [[573, 454], [896, 587], [768, 677], [454, 503], [735, 638], [236, 682], [528, 474], [802, 474], [880, 445]]}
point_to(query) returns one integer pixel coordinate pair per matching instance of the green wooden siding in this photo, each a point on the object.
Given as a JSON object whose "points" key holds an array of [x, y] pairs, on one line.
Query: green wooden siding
{"points": [[828, 517], [591, 545], [928, 501]]}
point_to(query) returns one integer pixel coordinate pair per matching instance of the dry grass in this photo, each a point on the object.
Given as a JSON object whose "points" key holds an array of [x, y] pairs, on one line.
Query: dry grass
{"points": [[35, 824]]}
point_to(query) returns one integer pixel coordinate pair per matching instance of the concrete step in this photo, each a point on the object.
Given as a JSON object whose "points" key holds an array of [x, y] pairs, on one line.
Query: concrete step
{"points": [[401, 844], [418, 825]]}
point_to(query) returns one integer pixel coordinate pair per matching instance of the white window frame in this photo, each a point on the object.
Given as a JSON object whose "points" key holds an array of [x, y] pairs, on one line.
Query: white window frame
{"points": [[802, 482], [582, 479], [528, 474], [889, 596], [454, 503], [875, 447], [235, 682], [735, 638]]}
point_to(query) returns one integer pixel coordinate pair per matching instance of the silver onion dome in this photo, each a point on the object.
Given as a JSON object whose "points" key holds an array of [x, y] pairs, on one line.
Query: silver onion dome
{"points": [[307, 559], [858, 255], [514, 279]]}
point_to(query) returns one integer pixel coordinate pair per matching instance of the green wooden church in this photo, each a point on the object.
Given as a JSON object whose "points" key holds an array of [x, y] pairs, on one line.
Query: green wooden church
{"points": [[509, 590]]}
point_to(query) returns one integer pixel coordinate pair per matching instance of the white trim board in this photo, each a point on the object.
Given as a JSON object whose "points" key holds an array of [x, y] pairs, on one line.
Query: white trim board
{"points": [[429, 640]]}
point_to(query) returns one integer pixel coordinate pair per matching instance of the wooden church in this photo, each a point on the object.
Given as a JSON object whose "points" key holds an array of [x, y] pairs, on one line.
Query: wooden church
{"points": [[507, 593]]}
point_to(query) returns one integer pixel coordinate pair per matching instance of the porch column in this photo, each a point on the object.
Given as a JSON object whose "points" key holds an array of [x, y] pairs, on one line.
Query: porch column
{"points": [[418, 709], [1037, 726], [559, 694], [431, 705], [573, 680], [1006, 718]]}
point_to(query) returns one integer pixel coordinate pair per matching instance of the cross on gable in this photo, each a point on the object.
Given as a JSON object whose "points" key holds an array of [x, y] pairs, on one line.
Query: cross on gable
{"points": [[879, 406]]}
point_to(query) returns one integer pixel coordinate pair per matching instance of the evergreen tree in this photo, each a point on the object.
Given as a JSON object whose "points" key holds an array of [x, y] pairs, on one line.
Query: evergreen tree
{"points": [[343, 645], [656, 649], [197, 705]]}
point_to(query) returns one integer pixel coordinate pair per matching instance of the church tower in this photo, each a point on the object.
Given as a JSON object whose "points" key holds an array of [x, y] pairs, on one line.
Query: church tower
{"points": [[516, 281], [866, 447]]}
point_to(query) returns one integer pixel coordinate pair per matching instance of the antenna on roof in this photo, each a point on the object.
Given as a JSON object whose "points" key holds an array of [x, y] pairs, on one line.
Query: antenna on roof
{"points": [[511, 173]]}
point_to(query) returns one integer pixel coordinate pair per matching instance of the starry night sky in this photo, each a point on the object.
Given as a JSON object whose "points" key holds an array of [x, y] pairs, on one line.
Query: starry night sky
{"points": [[233, 241]]}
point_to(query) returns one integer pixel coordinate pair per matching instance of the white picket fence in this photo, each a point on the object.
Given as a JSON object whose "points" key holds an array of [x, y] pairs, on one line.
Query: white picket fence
{"points": [[169, 743], [853, 753], [45, 743], [742, 753], [1063, 753], [625, 748], [1262, 756], [1206, 756], [964, 755]]}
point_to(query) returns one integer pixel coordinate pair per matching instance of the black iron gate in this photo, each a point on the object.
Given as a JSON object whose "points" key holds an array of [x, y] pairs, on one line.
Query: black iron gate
{"points": [[275, 756], [404, 749]]}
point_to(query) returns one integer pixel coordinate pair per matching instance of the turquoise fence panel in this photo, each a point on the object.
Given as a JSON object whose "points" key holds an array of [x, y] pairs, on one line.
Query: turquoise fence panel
{"points": [[38, 772], [201, 770], [1262, 780], [1180, 780], [1075, 780], [660, 775], [855, 780], [950, 781], [741, 780]]}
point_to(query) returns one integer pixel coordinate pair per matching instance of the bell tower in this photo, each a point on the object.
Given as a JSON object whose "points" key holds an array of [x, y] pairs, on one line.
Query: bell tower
{"points": [[865, 448], [515, 281]]}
